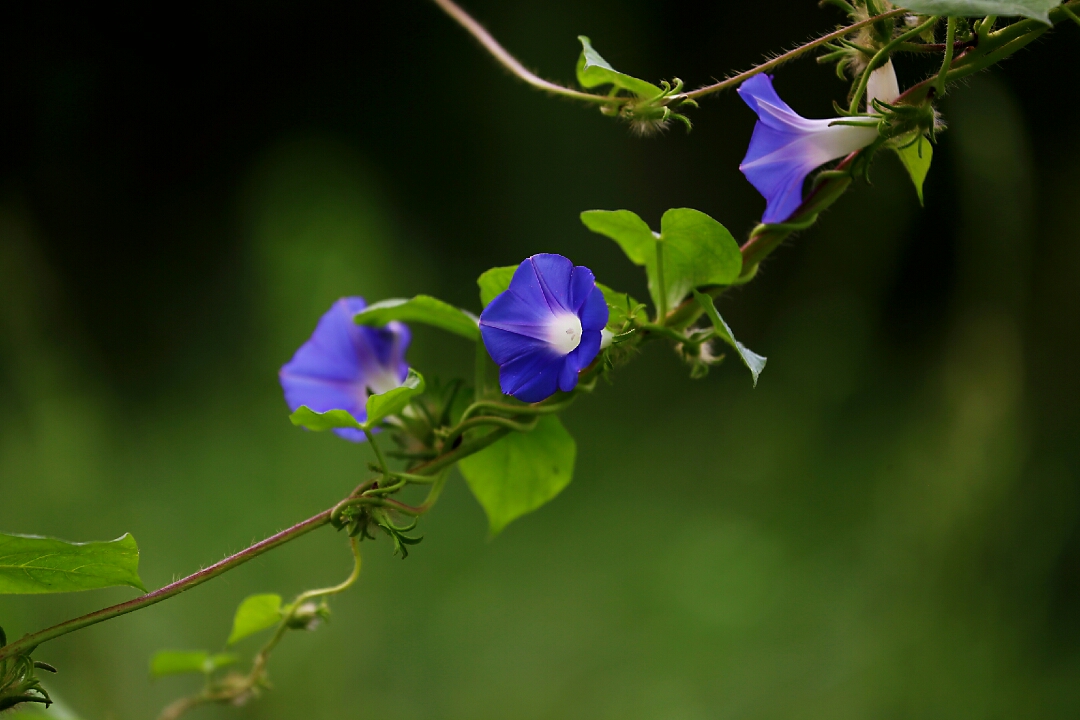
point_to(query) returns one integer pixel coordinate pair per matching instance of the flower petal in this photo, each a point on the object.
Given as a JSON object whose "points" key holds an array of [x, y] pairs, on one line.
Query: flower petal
{"points": [[786, 147], [554, 273], [331, 352], [531, 378], [342, 363], [381, 355], [594, 311]]}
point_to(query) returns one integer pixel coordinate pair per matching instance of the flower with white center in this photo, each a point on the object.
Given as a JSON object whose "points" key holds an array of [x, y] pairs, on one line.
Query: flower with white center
{"points": [[343, 363], [786, 147], [545, 328]]}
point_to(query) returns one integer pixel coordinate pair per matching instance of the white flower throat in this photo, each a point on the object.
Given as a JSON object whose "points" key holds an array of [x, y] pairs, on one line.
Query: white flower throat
{"points": [[564, 333]]}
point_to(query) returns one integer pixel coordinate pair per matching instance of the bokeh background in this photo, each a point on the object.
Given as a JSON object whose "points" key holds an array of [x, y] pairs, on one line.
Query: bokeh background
{"points": [[887, 527]]}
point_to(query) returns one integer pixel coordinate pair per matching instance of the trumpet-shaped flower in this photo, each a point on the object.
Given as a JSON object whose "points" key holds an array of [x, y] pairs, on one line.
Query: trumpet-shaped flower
{"points": [[343, 363], [545, 328], [786, 147]]}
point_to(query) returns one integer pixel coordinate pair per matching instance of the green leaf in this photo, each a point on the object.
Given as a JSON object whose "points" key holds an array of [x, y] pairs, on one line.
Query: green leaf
{"points": [[255, 614], [1037, 9], [627, 229], [916, 157], [698, 250], [34, 565], [594, 71], [379, 407], [183, 662], [422, 309], [494, 282], [521, 472], [393, 401], [754, 362], [309, 419]]}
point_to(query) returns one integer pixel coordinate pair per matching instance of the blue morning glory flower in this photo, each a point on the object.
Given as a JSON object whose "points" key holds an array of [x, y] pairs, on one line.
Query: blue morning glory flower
{"points": [[786, 147], [342, 363], [545, 328]]}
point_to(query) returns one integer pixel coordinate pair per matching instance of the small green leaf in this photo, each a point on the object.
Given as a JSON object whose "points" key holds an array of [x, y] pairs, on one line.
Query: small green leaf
{"points": [[494, 282], [754, 362], [34, 565], [393, 401], [183, 662], [422, 309], [309, 419], [1037, 9], [698, 250], [620, 307], [594, 71], [521, 472], [916, 157], [379, 407], [627, 229], [255, 614]]}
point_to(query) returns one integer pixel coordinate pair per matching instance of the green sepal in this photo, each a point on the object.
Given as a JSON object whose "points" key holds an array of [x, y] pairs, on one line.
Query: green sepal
{"points": [[594, 71], [754, 362], [422, 309], [521, 472], [184, 662], [622, 309], [255, 614], [392, 402], [916, 156], [379, 407], [36, 565]]}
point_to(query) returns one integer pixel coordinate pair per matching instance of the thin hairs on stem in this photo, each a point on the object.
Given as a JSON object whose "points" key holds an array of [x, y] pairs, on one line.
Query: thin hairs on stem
{"points": [[792, 54]]}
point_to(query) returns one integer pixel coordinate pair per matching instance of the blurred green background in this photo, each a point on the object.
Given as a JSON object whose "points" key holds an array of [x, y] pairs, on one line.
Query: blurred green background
{"points": [[887, 527]]}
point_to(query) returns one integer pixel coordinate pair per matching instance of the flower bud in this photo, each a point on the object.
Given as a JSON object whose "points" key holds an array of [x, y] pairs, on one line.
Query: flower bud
{"points": [[308, 616], [882, 86]]}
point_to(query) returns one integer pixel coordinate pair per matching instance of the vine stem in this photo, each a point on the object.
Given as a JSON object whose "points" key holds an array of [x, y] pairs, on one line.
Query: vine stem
{"points": [[946, 63], [28, 643], [510, 62], [790, 55], [992, 48], [761, 244], [258, 666]]}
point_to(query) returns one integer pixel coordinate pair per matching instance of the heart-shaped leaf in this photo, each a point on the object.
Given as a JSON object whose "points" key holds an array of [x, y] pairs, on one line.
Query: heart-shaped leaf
{"points": [[34, 565]]}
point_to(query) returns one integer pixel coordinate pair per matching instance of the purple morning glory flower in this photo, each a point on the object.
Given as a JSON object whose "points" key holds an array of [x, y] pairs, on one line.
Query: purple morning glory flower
{"points": [[786, 147], [545, 328], [342, 363]]}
